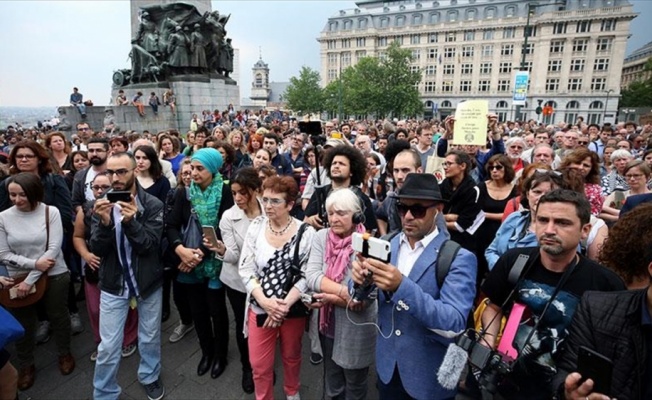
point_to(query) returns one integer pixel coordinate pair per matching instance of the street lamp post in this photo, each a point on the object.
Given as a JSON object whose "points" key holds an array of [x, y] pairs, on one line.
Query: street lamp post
{"points": [[339, 94], [604, 112], [526, 33]]}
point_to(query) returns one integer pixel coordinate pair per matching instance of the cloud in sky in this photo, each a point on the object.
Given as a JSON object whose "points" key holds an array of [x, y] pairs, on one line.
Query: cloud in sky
{"points": [[47, 47]]}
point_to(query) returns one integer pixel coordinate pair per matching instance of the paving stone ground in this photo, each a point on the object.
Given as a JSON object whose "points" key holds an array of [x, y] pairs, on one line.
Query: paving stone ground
{"points": [[179, 365]]}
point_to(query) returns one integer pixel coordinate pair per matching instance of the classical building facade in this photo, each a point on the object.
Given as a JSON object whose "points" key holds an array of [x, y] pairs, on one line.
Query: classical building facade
{"points": [[470, 49], [265, 94], [634, 66]]}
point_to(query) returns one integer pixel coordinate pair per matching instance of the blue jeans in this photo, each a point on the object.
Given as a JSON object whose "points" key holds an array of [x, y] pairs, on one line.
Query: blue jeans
{"points": [[113, 314], [81, 107]]}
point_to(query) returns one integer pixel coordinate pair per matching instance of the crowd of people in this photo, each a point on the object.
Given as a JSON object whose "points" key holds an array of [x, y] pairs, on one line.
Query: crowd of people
{"points": [[384, 240]]}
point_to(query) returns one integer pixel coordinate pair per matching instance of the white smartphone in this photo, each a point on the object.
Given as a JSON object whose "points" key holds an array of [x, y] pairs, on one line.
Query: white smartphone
{"points": [[210, 234], [372, 247]]}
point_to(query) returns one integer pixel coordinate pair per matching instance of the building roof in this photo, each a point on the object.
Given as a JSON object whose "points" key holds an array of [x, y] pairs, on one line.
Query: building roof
{"points": [[261, 64], [641, 52], [277, 89]]}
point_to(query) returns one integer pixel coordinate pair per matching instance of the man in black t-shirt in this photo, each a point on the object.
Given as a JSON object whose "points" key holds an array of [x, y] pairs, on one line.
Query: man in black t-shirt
{"points": [[553, 269]]}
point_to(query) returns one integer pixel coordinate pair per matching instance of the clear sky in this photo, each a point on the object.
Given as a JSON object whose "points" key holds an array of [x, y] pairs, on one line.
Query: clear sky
{"points": [[47, 47]]}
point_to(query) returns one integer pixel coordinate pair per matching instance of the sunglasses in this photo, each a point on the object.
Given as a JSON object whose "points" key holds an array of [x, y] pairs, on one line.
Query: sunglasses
{"points": [[496, 167], [418, 211], [583, 143]]}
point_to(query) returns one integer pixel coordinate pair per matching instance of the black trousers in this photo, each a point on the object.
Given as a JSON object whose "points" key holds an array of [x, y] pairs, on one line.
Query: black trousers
{"points": [[208, 309], [238, 304]]}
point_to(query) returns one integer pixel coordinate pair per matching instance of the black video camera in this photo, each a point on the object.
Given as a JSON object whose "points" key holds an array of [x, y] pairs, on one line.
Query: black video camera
{"points": [[493, 365]]}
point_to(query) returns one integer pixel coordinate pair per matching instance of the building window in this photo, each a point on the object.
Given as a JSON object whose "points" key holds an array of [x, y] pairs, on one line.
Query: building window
{"points": [[417, 19], [449, 69], [432, 54], [490, 12], [577, 65], [529, 49], [331, 44], [608, 25], [382, 55], [359, 55], [574, 84], [509, 33], [580, 45], [510, 11], [259, 81], [467, 69], [450, 37], [488, 34], [384, 22], [449, 52], [399, 40], [332, 75], [505, 68], [434, 18], [467, 51], [528, 67], [552, 85], [601, 64], [469, 36], [431, 70], [348, 24], [382, 41], [361, 42], [346, 43], [557, 46], [332, 59], [415, 39], [332, 26], [362, 23], [414, 69], [554, 65], [507, 50], [465, 86], [400, 21], [446, 87], [583, 27], [530, 32], [346, 59], [470, 14], [559, 28], [487, 50], [416, 54], [503, 85], [452, 16], [598, 84], [485, 68], [604, 44], [484, 86], [429, 87], [595, 116], [432, 38]]}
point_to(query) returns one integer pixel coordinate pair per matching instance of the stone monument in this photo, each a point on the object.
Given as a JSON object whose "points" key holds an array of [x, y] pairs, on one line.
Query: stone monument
{"points": [[182, 46]]}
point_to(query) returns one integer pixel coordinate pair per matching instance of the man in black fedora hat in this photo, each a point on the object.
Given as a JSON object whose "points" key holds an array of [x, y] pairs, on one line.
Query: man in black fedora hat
{"points": [[419, 312]]}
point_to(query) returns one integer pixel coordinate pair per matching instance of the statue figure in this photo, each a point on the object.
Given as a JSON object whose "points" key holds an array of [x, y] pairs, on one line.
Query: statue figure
{"points": [[197, 50], [109, 118], [215, 26], [229, 64], [64, 124], [178, 49], [147, 36], [226, 58]]}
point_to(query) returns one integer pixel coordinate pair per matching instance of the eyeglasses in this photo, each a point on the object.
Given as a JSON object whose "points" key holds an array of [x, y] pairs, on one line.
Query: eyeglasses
{"points": [[633, 176], [447, 164], [119, 172], [25, 156], [185, 174], [92, 151], [272, 202], [101, 187], [496, 167], [418, 211]]}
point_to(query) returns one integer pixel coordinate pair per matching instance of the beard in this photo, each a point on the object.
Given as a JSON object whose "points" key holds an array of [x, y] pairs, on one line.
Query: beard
{"points": [[552, 249], [513, 156], [96, 161]]}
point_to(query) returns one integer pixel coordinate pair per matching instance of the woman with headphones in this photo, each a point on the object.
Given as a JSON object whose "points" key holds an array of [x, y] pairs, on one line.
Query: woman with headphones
{"points": [[348, 346]]}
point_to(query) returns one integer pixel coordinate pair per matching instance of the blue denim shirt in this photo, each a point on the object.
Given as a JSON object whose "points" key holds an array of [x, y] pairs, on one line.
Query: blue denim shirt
{"points": [[512, 233]]}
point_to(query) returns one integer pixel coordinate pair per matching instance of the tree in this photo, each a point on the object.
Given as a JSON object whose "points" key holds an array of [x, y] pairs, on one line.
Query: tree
{"points": [[638, 93], [379, 87], [304, 93]]}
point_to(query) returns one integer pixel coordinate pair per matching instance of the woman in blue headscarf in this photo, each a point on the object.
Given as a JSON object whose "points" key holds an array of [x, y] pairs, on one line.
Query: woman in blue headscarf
{"points": [[207, 197]]}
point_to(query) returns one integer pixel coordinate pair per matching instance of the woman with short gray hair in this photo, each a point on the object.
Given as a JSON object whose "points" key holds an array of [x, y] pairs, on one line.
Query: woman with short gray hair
{"points": [[615, 180], [348, 346]]}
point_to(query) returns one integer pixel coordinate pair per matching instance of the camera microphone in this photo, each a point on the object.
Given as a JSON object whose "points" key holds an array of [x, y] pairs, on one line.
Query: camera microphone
{"points": [[361, 290], [452, 367]]}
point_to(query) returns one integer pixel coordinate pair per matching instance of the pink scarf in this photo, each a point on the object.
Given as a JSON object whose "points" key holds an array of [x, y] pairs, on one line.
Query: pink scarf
{"points": [[338, 256]]}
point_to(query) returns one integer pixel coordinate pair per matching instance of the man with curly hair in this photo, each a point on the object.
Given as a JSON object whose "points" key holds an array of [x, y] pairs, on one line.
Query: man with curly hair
{"points": [[617, 324], [346, 168]]}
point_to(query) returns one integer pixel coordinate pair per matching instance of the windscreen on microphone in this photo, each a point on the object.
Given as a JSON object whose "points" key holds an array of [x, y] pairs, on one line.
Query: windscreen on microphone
{"points": [[452, 367]]}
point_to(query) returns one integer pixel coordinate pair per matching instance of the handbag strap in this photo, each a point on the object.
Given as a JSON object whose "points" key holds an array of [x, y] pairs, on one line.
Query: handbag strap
{"points": [[47, 227]]}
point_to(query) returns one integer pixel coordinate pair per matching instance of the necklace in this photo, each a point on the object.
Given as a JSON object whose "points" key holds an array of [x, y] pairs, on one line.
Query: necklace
{"points": [[282, 231]]}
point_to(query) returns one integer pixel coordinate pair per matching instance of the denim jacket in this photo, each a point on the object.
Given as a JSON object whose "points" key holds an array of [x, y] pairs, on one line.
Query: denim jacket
{"points": [[512, 233]]}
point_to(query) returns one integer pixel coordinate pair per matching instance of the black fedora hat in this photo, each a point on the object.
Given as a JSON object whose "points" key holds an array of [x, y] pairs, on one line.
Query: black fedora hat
{"points": [[421, 187]]}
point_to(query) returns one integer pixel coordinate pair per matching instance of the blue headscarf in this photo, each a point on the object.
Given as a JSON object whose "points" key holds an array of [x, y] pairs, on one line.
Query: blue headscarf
{"points": [[210, 158]]}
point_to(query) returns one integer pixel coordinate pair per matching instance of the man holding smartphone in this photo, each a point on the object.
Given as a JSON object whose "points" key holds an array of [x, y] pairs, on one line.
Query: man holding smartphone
{"points": [[126, 236], [424, 316]]}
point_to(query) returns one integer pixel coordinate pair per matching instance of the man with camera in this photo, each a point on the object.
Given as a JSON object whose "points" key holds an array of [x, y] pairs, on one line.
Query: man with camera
{"points": [[417, 315], [543, 285]]}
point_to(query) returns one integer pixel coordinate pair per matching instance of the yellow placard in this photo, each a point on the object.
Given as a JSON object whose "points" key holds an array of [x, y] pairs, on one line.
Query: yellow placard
{"points": [[471, 123]]}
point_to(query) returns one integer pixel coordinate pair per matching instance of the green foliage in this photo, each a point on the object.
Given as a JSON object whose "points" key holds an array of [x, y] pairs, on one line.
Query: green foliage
{"points": [[637, 94], [378, 87], [304, 94]]}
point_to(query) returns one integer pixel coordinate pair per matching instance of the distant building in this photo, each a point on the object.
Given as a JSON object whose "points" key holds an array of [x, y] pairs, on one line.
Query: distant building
{"points": [[266, 94], [470, 49], [633, 68]]}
